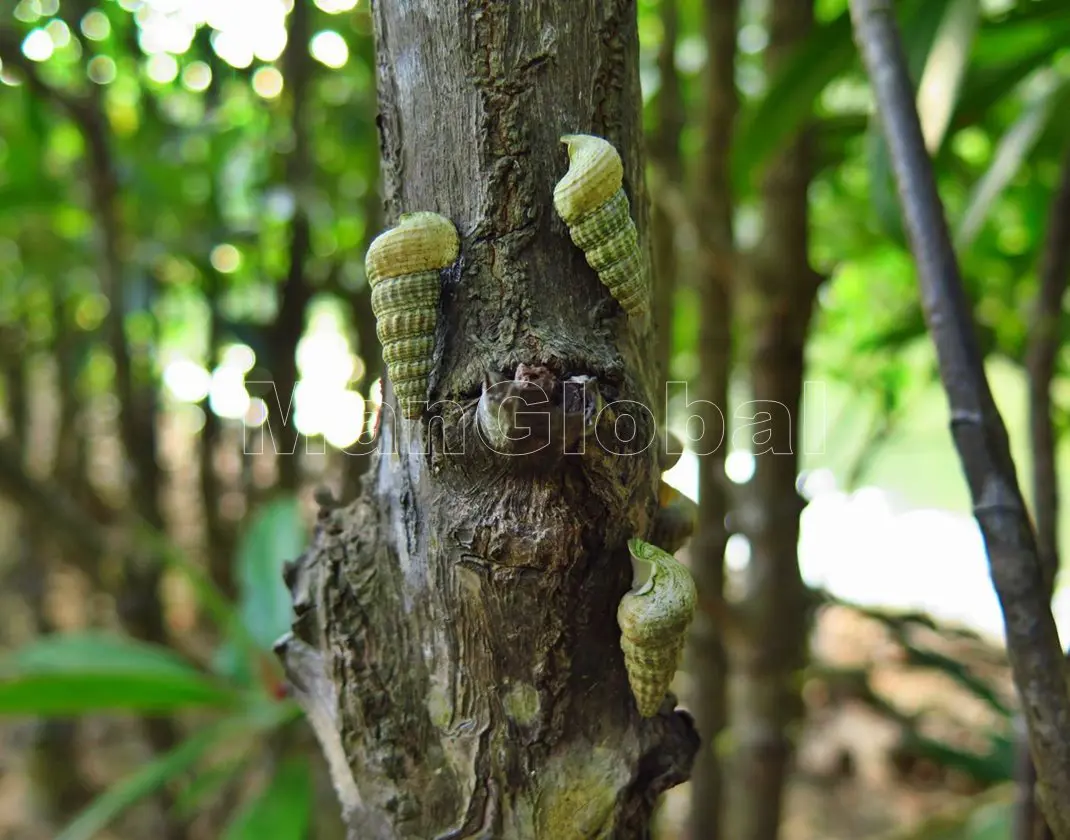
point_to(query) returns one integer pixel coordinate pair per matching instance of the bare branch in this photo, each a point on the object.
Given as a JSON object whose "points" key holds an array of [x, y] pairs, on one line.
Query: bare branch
{"points": [[11, 54], [296, 292], [1045, 341], [978, 430]]}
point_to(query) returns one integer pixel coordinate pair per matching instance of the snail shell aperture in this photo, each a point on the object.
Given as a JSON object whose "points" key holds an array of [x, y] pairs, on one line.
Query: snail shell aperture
{"points": [[654, 616]]}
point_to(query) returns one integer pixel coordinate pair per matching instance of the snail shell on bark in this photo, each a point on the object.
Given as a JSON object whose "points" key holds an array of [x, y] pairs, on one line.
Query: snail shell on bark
{"points": [[590, 199], [654, 616], [403, 265]]}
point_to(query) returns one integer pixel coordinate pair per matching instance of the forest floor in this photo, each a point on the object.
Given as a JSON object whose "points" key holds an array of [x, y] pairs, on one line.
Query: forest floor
{"points": [[854, 776], [852, 780]]}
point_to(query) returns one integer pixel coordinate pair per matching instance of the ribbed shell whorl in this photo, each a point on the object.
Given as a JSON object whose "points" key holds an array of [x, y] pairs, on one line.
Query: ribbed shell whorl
{"points": [[403, 266], [590, 199]]}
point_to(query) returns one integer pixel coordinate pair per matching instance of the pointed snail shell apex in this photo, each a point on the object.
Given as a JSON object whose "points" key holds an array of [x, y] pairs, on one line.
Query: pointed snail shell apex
{"points": [[590, 199], [654, 616], [403, 266]]}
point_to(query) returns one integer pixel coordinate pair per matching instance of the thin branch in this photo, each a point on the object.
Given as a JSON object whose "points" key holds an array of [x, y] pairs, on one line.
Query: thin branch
{"points": [[12, 56], [51, 506], [977, 428], [296, 292], [87, 114], [1045, 341]]}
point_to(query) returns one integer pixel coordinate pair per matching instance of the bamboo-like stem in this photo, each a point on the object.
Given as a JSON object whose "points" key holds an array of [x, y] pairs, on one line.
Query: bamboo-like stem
{"points": [[977, 428]]}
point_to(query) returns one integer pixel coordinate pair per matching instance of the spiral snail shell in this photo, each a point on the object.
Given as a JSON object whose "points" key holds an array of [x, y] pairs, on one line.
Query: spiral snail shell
{"points": [[653, 617], [590, 199], [403, 265]]}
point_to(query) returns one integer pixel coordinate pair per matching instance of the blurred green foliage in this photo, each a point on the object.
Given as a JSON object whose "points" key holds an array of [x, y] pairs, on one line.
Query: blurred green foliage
{"points": [[88, 672], [201, 138]]}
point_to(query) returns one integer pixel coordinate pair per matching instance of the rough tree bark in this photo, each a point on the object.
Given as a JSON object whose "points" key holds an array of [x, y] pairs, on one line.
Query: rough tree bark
{"points": [[771, 651], [456, 647]]}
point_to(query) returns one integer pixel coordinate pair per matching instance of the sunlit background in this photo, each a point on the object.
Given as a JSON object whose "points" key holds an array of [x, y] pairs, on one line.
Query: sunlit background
{"points": [[911, 546]]}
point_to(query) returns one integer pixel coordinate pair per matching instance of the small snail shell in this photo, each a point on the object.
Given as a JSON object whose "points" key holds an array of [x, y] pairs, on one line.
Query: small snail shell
{"points": [[403, 266], [653, 617], [590, 199]]}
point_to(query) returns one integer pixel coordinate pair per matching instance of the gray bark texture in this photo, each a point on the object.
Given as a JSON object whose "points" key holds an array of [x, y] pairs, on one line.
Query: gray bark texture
{"points": [[456, 647]]}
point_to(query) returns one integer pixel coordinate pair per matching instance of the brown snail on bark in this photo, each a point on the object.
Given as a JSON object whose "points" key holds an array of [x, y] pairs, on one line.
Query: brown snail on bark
{"points": [[404, 265], [654, 616], [590, 199]]}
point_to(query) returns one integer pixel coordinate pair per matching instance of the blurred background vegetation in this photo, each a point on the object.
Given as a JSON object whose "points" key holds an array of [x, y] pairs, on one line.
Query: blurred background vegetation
{"points": [[186, 192]]}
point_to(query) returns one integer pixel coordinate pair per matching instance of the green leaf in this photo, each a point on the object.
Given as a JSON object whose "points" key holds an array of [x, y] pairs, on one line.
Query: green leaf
{"points": [[767, 126], [282, 811], [88, 672], [208, 785], [275, 536], [1005, 54], [1013, 149], [258, 717], [827, 52], [944, 68], [153, 775], [920, 31]]}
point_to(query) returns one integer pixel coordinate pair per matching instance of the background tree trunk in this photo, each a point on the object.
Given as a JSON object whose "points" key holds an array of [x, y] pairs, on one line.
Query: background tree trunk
{"points": [[772, 650], [713, 210], [456, 646]]}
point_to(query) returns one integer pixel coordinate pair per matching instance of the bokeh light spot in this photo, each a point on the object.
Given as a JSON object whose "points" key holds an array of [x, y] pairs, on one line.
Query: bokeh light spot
{"points": [[329, 48], [96, 26], [197, 76], [334, 7], [101, 69], [59, 32], [267, 82], [187, 380], [162, 68], [38, 46], [225, 258]]}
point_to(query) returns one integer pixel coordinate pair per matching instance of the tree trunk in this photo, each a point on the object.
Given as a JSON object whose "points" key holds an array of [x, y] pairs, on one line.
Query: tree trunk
{"points": [[664, 149], [456, 646], [713, 207], [774, 611]]}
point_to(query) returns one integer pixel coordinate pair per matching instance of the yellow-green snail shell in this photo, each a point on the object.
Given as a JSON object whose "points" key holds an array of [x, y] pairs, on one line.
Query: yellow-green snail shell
{"points": [[403, 265], [590, 199], [654, 616]]}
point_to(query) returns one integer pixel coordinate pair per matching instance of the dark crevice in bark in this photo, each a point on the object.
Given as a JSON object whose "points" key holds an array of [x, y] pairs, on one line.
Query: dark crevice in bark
{"points": [[979, 433], [1044, 344], [456, 646], [713, 212], [772, 649]]}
